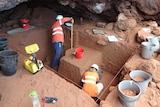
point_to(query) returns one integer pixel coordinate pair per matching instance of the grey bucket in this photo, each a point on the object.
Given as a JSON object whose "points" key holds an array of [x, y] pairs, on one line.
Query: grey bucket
{"points": [[128, 101], [147, 50], [8, 62], [155, 40], [145, 75], [3, 40], [3, 43]]}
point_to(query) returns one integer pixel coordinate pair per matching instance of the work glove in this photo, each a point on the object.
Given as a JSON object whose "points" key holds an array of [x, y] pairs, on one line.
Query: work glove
{"points": [[72, 20]]}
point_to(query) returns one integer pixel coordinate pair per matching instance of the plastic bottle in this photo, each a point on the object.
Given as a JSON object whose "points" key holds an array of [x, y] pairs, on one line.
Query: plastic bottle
{"points": [[35, 99]]}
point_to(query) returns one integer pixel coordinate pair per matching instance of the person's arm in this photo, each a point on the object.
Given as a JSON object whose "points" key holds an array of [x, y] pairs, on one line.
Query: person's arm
{"points": [[97, 77], [83, 77], [65, 19]]}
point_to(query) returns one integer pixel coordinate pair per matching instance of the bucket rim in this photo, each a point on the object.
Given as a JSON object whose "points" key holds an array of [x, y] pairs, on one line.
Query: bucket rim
{"points": [[11, 51], [79, 49], [131, 82], [3, 39], [24, 20], [140, 71], [147, 43]]}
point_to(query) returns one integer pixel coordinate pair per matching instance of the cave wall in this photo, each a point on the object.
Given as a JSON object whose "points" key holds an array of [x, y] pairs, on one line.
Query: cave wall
{"points": [[106, 10], [8, 4]]}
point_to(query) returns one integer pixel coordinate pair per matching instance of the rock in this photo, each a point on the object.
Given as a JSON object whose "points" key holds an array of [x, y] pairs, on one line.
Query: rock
{"points": [[121, 17], [111, 88], [150, 7], [8, 4], [142, 35], [156, 31], [126, 24], [97, 7], [96, 31], [152, 23], [101, 42], [39, 16], [153, 103], [158, 85], [101, 24], [152, 84], [110, 26], [64, 2]]}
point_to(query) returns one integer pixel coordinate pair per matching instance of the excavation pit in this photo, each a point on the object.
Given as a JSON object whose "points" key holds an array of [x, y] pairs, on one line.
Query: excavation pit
{"points": [[110, 57]]}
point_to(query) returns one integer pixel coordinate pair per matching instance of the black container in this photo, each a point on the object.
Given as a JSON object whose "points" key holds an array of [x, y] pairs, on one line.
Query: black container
{"points": [[8, 62]]}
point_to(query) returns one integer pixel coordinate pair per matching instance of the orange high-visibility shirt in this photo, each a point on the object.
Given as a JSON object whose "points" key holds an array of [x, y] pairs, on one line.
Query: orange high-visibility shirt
{"points": [[89, 78], [57, 31]]}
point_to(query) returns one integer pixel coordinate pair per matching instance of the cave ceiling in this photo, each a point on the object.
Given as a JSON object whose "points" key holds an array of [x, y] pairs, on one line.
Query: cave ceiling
{"points": [[97, 9]]}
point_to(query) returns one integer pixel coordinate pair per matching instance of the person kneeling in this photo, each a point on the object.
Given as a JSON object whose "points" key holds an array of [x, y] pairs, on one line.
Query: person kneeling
{"points": [[90, 79]]}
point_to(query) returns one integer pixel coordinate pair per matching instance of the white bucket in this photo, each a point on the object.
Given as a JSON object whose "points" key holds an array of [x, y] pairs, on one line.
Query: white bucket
{"points": [[126, 100], [145, 75], [155, 41], [147, 50]]}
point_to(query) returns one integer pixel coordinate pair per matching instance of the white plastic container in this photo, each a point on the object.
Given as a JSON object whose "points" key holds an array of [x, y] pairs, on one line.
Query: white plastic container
{"points": [[35, 99]]}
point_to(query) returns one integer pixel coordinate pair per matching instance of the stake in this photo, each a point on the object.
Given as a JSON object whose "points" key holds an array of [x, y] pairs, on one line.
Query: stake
{"points": [[72, 34]]}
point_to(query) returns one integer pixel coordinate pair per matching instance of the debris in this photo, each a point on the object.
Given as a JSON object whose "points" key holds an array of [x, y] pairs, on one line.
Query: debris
{"points": [[121, 17], [152, 23], [101, 24], [98, 31], [49, 99], [147, 30], [18, 30], [112, 38]]}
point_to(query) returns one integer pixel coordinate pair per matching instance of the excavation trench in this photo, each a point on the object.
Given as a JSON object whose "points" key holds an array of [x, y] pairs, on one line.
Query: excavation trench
{"points": [[110, 57]]}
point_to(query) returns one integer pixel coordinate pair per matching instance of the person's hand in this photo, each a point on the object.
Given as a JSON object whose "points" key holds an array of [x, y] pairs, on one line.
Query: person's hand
{"points": [[72, 20]]}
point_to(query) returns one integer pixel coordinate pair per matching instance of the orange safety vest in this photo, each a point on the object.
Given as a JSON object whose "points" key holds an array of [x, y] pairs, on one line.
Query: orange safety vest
{"points": [[89, 78], [57, 31]]}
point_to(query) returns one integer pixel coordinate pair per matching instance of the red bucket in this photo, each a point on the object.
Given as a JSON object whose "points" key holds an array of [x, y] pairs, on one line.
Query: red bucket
{"points": [[25, 23], [79, 53]]}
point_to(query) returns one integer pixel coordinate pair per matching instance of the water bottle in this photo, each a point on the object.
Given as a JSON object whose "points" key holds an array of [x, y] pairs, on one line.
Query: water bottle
{"points": [[35, 99]]}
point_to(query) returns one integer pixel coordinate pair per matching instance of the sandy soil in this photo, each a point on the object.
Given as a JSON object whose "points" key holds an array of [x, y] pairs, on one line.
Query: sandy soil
{"points": [[15, 89]]}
